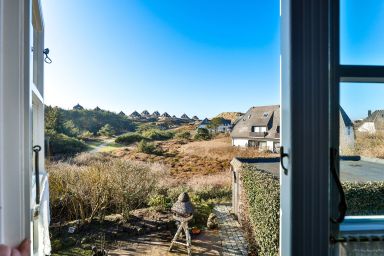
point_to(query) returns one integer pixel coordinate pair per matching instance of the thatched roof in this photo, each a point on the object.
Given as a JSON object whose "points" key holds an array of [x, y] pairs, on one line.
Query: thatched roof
{"points": [[376, 117], [165, 114], [195, 118], [205, 122], [122, 113], [268, 116], [344, 118], [145, 113], [184, 116], [156, 113], [78, 107], [135, 114], [97, 108]]}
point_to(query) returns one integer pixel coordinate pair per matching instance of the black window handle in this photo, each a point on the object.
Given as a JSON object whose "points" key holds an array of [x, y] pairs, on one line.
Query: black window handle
{"points": [[282, 155], [342, 208], [37, 149]]}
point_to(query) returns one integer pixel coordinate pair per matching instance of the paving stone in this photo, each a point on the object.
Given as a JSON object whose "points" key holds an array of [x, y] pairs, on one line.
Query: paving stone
{"points": [[230, 232]]}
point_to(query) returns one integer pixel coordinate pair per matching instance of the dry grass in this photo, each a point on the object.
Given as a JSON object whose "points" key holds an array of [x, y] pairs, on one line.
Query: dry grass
{"points": [[370, 145], [95, 185], [220, 148]]}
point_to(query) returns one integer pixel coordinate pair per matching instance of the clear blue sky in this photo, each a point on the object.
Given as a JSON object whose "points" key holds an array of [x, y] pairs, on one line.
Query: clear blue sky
{"points": [[199, 57]]}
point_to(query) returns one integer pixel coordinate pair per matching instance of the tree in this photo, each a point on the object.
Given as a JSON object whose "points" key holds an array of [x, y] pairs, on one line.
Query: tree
{"points": [[216, 122], [53, 120], [70, 129], [202, 134], [107, 130]]}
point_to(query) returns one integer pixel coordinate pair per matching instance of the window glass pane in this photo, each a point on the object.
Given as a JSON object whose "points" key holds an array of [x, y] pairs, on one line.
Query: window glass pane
{"points": [[362, 147], [361, 32]]}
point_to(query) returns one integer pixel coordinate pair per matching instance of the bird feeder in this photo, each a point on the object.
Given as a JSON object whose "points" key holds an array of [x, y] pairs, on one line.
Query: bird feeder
{"points": [[183, 212]]}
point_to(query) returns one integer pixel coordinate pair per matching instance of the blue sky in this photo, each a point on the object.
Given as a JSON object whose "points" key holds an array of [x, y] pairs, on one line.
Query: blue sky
{"points": [[199, 57]]}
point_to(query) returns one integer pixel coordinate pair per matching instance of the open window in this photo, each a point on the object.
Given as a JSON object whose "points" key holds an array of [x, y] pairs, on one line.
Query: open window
{"points": [[359, 87], [314, 124]]}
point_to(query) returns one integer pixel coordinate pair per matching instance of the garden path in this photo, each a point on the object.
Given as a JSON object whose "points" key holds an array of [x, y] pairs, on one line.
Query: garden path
{"points": [[227, 240]]}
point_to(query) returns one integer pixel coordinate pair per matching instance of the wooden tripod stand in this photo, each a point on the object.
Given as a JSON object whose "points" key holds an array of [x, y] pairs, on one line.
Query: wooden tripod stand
{"points": [[183, 226]]}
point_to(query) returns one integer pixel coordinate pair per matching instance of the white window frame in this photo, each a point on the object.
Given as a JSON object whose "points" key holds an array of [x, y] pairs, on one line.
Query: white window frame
{"points": [[15, 109]]}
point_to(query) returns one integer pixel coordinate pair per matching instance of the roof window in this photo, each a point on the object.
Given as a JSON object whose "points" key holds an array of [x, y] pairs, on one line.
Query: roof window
{"points": [[265, 114]]}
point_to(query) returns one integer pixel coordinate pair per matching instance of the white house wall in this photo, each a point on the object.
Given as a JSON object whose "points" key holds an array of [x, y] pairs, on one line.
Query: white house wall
{"points": [[239, 142], [347, 139], [367, 127], [270, 145]]}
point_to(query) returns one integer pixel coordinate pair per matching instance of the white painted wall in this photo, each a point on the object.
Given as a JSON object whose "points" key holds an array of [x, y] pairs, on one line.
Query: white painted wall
{"points": [[347, 139], [270, 145], [239, 142], [367, 127], [15, 132]]}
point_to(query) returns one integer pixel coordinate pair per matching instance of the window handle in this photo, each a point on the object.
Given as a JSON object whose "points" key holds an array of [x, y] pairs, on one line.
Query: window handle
{"points": [[343, 202], [37, 149], [282, 155]]}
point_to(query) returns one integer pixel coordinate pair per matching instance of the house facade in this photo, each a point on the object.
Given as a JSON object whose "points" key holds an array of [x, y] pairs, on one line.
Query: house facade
{"points": [[259, 127], [373, 122], [225, 126]]}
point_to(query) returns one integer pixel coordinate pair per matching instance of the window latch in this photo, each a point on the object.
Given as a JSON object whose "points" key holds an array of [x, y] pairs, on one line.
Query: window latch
{"points": [[282, 155], [37, 149], [342, 208], [47, 59]]}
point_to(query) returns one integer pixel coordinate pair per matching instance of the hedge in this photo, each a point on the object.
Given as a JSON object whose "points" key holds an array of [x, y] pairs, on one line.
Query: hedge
{"points": [[61, 144], [263, 195], [262, 191], [129, 138], [364, 198]]}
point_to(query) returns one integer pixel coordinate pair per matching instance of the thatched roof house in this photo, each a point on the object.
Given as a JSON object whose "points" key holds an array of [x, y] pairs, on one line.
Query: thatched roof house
{"points": [[195, 118], [156, 114], [184, 116], [78, 107], [373, 122], [135, 115], [122, 113], [258, 127], [145, 113], [166, 115]]}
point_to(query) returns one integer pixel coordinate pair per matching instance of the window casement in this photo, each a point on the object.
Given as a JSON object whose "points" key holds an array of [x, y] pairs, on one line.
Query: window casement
{"points": [[312, 220]]}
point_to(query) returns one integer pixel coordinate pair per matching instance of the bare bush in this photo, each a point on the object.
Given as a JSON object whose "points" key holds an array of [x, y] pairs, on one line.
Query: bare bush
{"points": [[84, 191]]}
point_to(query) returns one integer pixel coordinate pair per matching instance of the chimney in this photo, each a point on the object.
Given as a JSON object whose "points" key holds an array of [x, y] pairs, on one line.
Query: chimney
{"points": [[369, 113]]}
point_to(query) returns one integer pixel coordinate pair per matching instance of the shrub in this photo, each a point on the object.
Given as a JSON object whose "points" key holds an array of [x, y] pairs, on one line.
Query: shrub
{"points": [[183, 135], [148, 148], [156, 134], [61, 144], [202, 134], [70, 129], [159, 202], [87, 135], [364, 198], [99, 188], [129, 138], [107, 130], [263, 194]]}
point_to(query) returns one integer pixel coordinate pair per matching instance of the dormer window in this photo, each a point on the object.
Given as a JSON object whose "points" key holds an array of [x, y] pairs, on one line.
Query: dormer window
{"points": [[265, 114], [259, 128]]}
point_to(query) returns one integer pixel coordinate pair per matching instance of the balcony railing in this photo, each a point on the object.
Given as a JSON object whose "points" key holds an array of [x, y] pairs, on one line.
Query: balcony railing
{"points": [[258, 134]]}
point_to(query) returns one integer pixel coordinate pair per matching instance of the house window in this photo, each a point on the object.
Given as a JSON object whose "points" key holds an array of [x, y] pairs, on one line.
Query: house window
{"points": [[259, 129]]}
